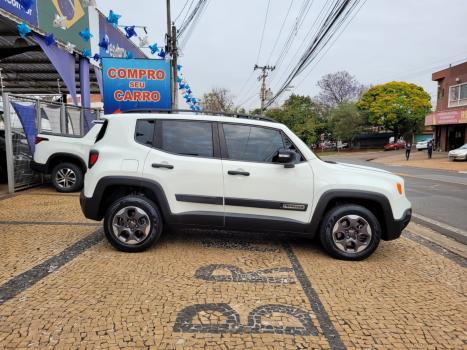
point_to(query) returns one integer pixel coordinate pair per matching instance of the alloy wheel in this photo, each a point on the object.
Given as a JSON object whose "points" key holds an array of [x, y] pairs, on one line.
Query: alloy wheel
{"points": [[65, 178]]}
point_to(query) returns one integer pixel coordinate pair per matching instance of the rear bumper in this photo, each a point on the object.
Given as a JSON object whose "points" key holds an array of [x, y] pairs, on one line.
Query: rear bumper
{"points": [[395, 228], [89, 207], [41, 168]]}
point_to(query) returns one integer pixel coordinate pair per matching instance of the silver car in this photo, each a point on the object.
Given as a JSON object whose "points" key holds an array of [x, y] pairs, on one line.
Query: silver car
{"points": [[458, 153]]}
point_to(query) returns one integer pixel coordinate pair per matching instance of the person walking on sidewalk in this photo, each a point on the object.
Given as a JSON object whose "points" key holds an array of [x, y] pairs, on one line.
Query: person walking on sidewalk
{"points": [[430, 148], [408, 148]]}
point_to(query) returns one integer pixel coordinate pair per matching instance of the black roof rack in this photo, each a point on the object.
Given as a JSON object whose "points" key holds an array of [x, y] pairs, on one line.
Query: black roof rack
{"points": [[225, 114]]}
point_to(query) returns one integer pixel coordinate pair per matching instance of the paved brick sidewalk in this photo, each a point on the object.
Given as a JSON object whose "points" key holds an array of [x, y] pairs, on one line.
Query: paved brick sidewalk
{"points": [[216, 290]]}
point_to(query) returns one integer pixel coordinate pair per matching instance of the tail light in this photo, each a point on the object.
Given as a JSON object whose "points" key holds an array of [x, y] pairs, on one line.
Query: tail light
{"points": [[93, 157], [40, 139]]}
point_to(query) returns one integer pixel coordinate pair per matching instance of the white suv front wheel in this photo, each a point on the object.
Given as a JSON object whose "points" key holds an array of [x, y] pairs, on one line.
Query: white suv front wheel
{"points": [[350, 232], [133, 223]]}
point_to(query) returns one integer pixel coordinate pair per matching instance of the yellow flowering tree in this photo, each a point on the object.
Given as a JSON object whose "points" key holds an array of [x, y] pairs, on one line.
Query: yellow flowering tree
{"points": [[397, 106]]}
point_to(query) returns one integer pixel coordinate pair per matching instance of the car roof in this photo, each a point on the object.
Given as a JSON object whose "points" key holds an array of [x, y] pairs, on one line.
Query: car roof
{"points": [[238, 119]]}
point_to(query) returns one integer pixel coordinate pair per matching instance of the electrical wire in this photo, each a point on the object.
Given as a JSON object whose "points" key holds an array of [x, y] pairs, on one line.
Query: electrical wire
{"points": [[331, 45], [297, 23], [262, 32], [187, 12], [321, 17], [181, 11], [193, 17], [280, 31], [241, 93], [333, 21], [294, 31]]}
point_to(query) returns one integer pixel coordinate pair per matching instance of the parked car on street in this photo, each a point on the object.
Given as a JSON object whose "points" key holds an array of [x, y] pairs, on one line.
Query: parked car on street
{"points": [[64, 157], [422, 145], [458, 153], [150, 171], [394, 146]]}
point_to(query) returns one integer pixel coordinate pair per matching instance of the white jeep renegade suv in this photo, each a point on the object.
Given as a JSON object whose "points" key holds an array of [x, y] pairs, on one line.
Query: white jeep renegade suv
{"points": [[233, 172]]}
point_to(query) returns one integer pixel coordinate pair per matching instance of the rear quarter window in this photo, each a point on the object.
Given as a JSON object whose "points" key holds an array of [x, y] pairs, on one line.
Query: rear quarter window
{"points": [[102, 131], [144, 132]]}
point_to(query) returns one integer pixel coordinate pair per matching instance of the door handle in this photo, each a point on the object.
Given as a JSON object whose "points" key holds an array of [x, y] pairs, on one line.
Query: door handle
{"points": [[237, 172], [161, 165]]}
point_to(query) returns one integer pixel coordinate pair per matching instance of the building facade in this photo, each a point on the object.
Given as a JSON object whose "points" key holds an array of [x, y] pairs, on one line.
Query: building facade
{"points": [[449, 120]]}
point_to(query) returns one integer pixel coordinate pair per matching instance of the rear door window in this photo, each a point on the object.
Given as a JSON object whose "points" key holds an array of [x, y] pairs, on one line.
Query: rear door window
{"points": [[187, 138]]}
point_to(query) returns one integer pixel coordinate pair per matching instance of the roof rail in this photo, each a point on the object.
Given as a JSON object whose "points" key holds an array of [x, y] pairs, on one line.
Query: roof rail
{"points": [[232, 114]]}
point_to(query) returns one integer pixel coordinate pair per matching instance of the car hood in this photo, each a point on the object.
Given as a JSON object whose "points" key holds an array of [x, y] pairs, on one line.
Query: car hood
{"points": [[350, 167], [458, 151]]}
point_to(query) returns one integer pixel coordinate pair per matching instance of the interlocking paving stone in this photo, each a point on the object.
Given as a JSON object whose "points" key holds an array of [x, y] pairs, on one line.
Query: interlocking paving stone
{"points": [[26, 207], [25, 246], [404, 296], [218, 290], [129, 299]]}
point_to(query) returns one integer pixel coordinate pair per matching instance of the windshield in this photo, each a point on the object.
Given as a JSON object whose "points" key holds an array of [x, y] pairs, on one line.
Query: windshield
{"points": [[464, 147]]}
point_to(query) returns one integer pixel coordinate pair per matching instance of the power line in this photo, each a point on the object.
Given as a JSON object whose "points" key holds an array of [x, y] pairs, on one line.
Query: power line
{"points": [[334, 20], [259, 52], [332, 44], [289, 65], [262, 33], [181, 11], [280, 31], [293, 32], [187, 36], [241, 91], [187, 12], [329, 47], [194, 15]]}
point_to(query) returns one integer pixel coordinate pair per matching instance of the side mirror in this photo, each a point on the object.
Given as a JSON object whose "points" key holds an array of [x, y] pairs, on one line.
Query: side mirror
{"points": [[287, 157]]}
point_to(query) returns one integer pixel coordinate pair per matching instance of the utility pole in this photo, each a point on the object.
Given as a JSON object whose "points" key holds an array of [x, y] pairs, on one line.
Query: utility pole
{"points": [[174, 54], [263, 76], [171, 48]]}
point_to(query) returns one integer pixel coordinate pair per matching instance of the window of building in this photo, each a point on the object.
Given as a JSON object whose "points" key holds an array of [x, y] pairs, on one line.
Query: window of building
{"points": [[187, 138], [251, 143], [458, 95]]}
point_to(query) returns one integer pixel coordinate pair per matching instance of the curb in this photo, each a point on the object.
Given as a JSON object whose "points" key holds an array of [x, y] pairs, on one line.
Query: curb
{"points": [[445, 231]]}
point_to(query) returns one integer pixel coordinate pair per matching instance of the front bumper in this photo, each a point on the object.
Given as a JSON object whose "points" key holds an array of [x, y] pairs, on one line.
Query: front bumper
{"points": [[395, 228], [457, 157]]}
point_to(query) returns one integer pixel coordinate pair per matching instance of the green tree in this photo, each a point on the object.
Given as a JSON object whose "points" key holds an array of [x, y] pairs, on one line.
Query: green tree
{"points": [[397, 106], [298, 113], [346, 122]]}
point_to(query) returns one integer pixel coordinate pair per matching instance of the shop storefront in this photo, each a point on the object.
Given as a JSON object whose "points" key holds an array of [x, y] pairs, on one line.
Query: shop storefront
{"points": [[450, 128], [449, 121]]}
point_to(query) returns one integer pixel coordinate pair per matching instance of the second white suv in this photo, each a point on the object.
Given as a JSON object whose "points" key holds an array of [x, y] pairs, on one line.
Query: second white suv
{"points": [[244, 173]]}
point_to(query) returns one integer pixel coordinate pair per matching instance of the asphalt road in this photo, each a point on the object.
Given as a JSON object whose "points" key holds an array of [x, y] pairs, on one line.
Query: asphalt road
{"points": [[439, 198]]}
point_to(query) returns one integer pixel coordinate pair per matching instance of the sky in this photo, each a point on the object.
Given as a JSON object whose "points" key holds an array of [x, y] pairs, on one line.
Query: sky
{"points": [[386, 40]]}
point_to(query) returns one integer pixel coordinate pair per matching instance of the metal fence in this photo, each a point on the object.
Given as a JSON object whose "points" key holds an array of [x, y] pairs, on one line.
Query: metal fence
{"points": [[25, 117]]}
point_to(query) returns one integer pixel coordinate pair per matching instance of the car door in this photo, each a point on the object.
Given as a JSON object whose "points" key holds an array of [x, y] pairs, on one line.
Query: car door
{"points": [[186, 162], [259, 192]]}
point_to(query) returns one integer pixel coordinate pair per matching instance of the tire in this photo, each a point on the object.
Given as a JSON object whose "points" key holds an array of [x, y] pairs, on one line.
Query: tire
{"points": [[67, 177], [333, 236], [123, 229]]}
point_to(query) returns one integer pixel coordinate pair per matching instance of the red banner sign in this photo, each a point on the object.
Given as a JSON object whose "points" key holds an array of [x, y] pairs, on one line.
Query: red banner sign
{"points": [[448, 117]]}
